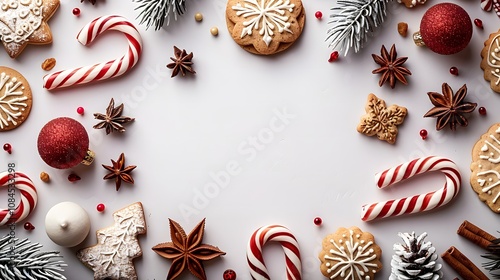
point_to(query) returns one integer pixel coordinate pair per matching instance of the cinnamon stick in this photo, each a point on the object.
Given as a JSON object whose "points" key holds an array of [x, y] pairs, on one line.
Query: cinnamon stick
{"points": [[462, 265], [475, 234]]}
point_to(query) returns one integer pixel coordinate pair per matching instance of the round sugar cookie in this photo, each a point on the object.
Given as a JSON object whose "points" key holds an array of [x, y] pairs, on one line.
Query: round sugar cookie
{"points": [[15, 99], [265, 27]]}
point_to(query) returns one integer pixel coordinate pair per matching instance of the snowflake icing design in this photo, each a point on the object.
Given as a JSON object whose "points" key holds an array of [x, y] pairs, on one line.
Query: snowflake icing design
{"points": [[266, 16], [351, 260], [12, 101]]}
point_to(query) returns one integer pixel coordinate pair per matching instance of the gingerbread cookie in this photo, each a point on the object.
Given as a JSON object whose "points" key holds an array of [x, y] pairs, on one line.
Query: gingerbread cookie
{"points": [[491, 61], [412, 3], [117, 246], [381, 120], [265, 27], [350, 253], [485, 167], [25, 22], [15, 99]]}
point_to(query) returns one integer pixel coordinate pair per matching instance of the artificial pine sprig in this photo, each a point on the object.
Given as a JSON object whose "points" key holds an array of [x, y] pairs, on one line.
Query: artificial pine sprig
{"points": [[23, 260], [155, 12], [494, 258], [353, 21]]}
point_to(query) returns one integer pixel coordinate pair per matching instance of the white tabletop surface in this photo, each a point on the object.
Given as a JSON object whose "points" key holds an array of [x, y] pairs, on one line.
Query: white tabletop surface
{"points": [[289, 169]]}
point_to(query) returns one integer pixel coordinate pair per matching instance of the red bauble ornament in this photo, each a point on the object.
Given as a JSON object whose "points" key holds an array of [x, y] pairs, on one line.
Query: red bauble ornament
{"points": [[446, 28], [63, 143]]}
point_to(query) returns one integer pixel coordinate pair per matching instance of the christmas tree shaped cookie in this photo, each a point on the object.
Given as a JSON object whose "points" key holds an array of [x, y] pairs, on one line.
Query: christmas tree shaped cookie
{"points": [[117, 246]]}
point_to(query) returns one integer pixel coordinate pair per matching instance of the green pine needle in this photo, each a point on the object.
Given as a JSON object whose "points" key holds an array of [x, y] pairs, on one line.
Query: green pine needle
{"points": [[155, 12], [353, 21]]}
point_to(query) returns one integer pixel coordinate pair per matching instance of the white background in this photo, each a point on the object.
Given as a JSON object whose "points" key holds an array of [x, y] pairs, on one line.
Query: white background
{"points": [[317, 164]]}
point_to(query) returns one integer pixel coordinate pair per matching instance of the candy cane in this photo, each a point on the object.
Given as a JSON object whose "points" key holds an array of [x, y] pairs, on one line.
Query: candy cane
{"points": [[27, 195], [417, 203], [100, 71], [290, 245]]}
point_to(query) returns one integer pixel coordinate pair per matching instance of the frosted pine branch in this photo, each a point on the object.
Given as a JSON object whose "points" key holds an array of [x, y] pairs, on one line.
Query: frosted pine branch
{"points": [[353, 21], [23, 260], [155, 12]]}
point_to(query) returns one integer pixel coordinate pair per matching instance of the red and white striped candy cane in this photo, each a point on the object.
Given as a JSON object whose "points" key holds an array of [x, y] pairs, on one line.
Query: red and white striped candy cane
{"points": [[100, 71], [25, 196], [290, 245], [416, 203]]}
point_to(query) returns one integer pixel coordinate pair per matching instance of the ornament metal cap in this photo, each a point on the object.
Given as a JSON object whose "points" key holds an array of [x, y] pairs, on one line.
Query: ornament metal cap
{"points": [[89, 158], [417, 39]]}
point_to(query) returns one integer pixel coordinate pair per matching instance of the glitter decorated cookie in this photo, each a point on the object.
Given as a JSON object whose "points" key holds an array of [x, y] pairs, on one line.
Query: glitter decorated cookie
{"points": [[25, 22], [350, 253], [265, 27], [15, 99]]}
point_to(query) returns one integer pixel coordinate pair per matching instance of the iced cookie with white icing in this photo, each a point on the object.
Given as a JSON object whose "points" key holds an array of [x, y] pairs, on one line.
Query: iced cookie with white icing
{"points": [[350, 253], [485, 167], [265, 27], [15, 99], [24, 22]]}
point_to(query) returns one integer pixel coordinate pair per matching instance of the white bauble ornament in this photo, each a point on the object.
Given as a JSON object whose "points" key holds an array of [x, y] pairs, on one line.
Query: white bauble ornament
{"points": [[67, 224]]}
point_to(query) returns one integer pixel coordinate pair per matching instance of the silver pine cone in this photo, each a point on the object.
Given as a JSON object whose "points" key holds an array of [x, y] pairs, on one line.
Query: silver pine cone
{"points": [[415, 259]]}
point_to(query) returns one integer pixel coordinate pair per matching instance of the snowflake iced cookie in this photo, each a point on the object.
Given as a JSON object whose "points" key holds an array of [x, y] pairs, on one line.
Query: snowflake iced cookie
{"points": [[485, 167], [117, 246], [381, 120], [491, 61], [350, 253], [15, 99], [265, 26], [25, 22]]}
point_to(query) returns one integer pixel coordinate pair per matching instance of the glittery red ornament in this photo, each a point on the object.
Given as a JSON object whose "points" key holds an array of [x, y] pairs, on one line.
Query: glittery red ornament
{"points": [[446, 28], [63, 143]]}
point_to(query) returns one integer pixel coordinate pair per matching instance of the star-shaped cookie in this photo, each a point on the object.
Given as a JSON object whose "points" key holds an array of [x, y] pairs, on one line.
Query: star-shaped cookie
{"points": [[381, 120], [187, 251], [25, 22]]}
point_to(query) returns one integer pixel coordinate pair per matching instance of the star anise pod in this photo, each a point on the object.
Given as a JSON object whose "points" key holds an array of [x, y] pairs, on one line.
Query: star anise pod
{"points": [[91, 1], [181, 63], [119, 172], [391, 67], [450, 108], [113, 119], [187, 251]]}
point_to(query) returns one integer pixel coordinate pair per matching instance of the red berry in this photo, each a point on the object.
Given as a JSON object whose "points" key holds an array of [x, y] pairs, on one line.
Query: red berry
{"points": [[318, 14], [80, 110], [229, 274], [454, 71], [318, 221], [73, 177], [482, 111], [7, 147], [333, 56], [76, 11], [29, 226], [100, 207], [423, 134], [478, 23]]}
